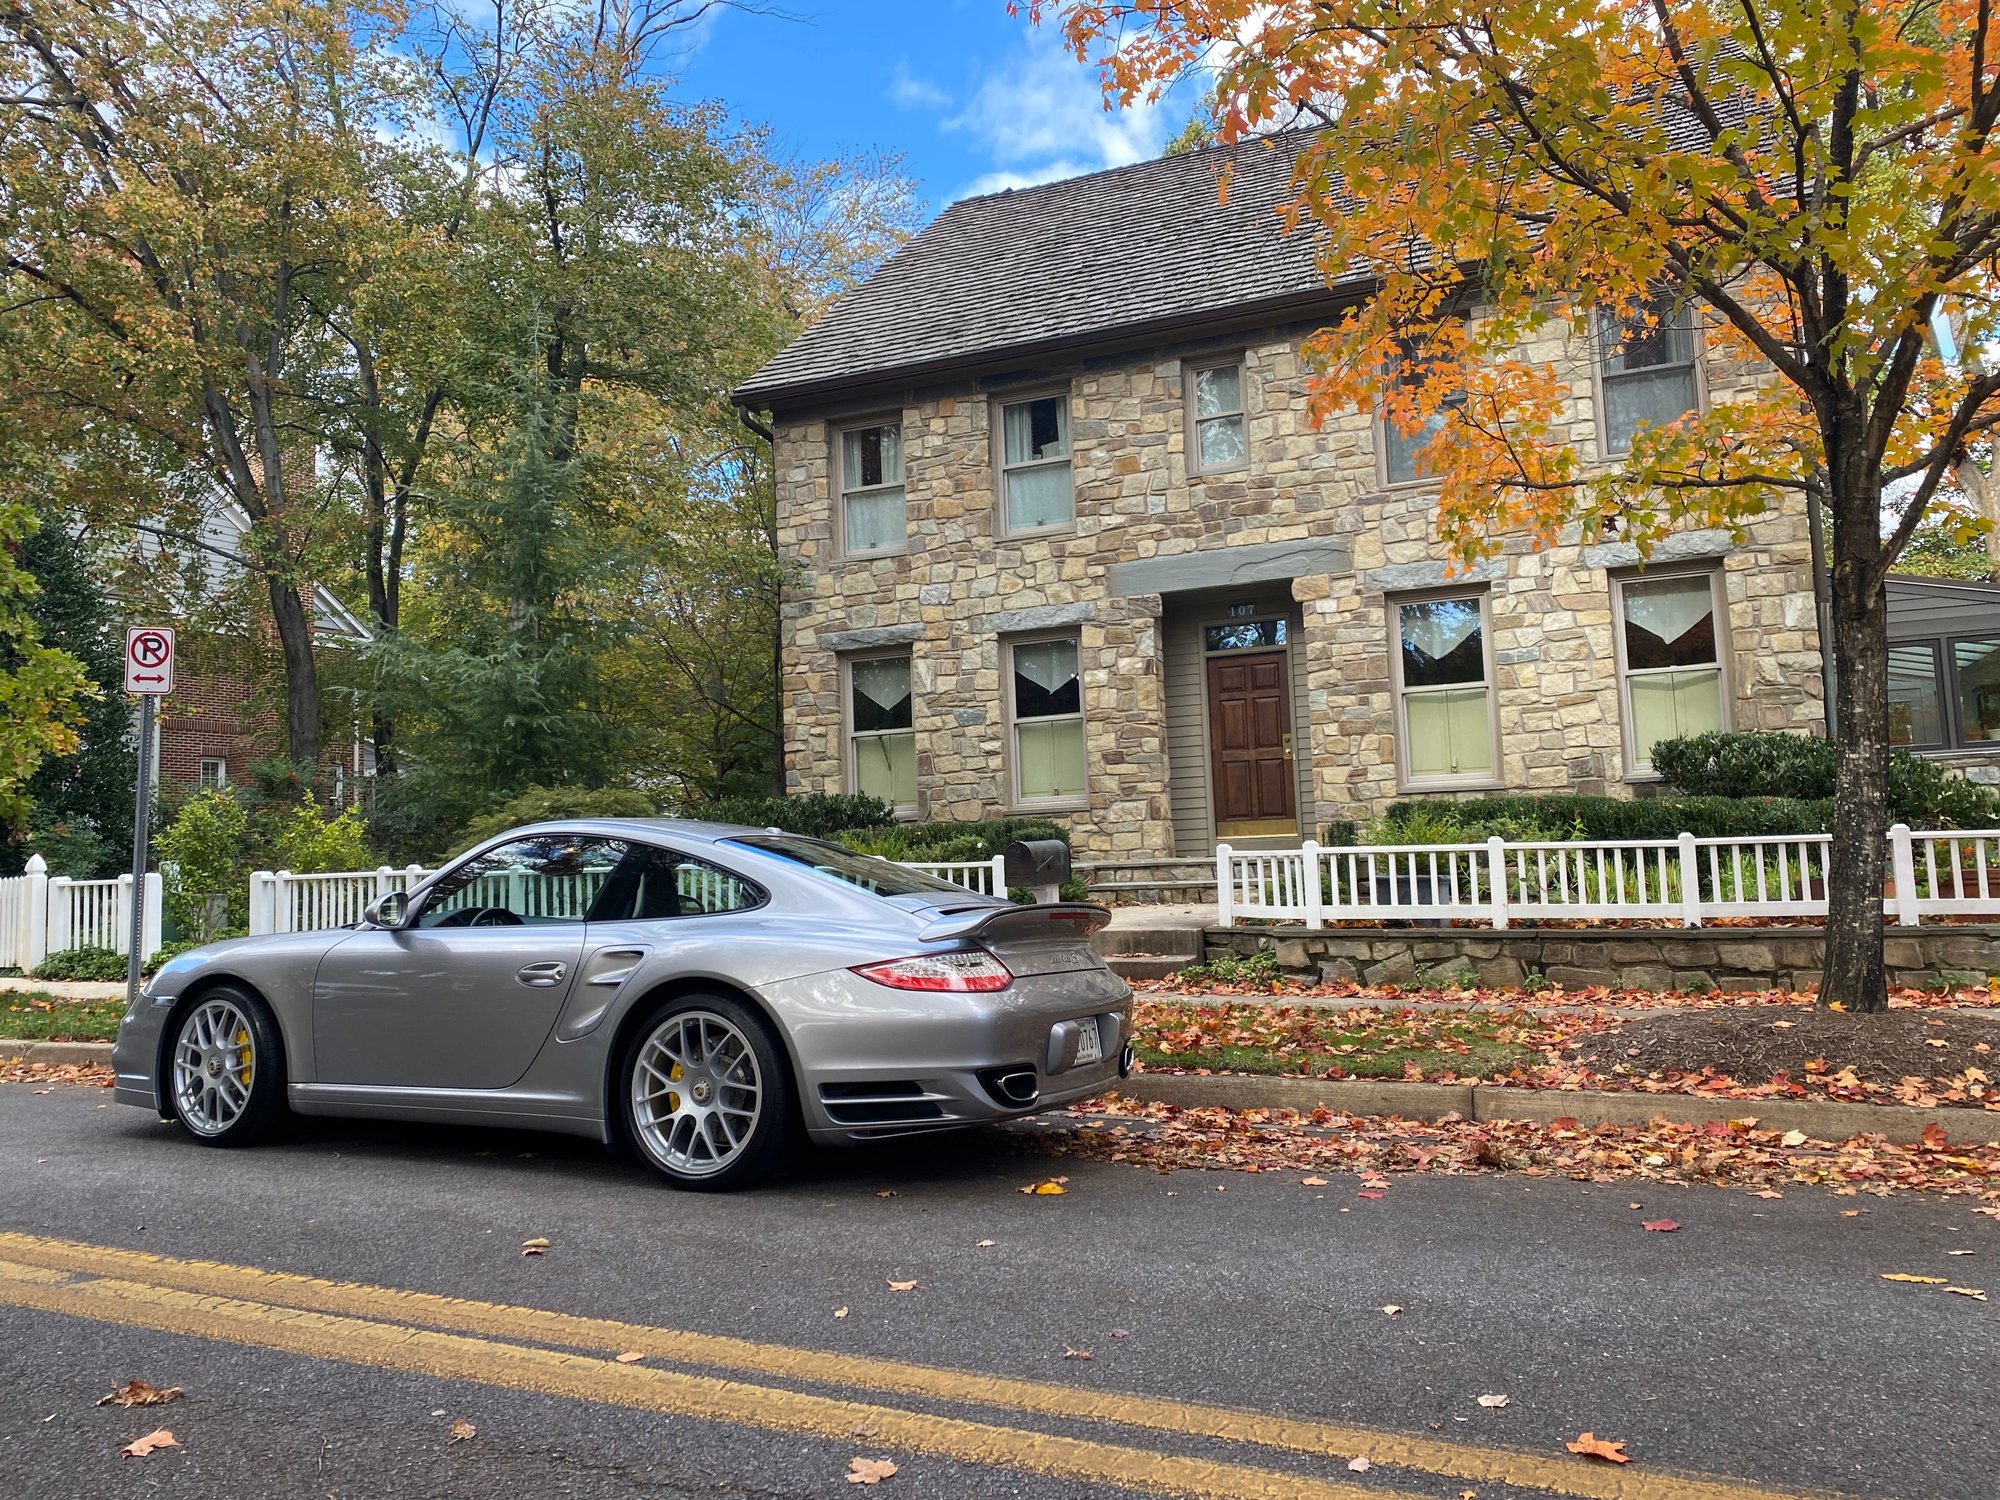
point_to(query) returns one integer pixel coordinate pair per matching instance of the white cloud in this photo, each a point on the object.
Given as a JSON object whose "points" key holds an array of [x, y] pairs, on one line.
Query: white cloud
{"points": [[1040, 115], [907, 92]]}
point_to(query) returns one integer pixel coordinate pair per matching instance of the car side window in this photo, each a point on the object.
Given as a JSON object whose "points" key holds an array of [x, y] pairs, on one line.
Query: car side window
{"points": [[665, 884], [545, 880]]}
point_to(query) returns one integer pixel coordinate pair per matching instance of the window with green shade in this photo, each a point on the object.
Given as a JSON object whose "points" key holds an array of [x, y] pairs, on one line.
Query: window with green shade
{"points": [[1047, 715], [1672, 661], [1444, 689], [1220, 441], [1916, 695], [881, 735], [874, 516], [1034, 464]]}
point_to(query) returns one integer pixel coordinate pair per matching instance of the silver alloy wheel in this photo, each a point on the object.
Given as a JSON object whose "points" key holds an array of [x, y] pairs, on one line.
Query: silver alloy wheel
{"points": [[215, 1064], [697, 1093]]}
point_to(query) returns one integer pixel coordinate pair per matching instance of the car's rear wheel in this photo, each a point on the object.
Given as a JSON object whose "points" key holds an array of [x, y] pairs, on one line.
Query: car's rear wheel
{"points": [[708, 1094], [225, 1068]]}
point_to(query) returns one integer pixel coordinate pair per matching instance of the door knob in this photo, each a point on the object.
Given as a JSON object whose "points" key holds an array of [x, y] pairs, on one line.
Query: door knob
{"points": [[542, 976], [1288, 747]]}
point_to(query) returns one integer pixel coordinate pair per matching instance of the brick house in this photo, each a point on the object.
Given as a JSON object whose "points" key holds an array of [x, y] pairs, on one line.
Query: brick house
{"points": [[1067, 543]]}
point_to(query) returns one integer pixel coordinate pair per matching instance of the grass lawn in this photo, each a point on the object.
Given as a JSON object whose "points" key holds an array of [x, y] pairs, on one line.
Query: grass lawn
{"points": [[1328, 1043], [35, 1016]]}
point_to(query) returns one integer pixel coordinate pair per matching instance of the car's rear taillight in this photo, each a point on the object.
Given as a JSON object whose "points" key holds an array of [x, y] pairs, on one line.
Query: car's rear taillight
{"points": [[957, 972]]}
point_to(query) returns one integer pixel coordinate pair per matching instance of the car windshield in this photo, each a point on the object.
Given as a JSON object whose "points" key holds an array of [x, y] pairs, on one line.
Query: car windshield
{"points": [[835, 863]]}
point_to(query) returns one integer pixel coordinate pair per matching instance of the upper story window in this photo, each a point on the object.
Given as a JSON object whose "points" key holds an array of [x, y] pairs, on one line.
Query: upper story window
{"points": [[881, 730], [1444, 674], [1672, 660], [1034, 464], [1046, 706], [1647, 371], [873, 514], [1401, 461], [1216, 419]]}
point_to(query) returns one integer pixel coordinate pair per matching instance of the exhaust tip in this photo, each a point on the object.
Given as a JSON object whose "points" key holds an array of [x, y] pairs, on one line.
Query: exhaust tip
{"points": [[1016, 1087], [1125, 1061]]}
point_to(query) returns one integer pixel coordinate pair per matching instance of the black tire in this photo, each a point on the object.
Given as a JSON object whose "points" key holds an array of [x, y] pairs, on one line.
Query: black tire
{"points": [[202, 1105], [765, 1143]]}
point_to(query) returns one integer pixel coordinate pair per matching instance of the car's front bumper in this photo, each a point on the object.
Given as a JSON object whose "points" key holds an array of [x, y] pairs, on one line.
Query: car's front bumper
{"points": [[875, 1062]]}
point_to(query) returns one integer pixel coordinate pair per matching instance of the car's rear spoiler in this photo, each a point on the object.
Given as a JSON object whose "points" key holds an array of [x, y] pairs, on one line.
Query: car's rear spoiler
{"points": [[1070, 921]]}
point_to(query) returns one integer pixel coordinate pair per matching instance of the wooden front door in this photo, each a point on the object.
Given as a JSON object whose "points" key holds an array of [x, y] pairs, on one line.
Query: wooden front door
{"points": [[1250, 745]]}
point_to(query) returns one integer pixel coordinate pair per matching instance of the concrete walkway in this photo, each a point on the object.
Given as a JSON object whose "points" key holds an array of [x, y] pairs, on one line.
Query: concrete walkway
{"points": [[1147, 917], [67, 989]]}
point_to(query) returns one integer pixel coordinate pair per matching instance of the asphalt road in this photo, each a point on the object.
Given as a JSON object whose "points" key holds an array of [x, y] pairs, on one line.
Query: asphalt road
{"points": [[1757, 1345]]}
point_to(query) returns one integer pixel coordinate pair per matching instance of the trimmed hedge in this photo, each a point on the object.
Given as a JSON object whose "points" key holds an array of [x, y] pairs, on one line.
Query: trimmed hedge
{"points": [[1562, 816], [1771, 763], [949, 841], [96, 964], [820, 815]]}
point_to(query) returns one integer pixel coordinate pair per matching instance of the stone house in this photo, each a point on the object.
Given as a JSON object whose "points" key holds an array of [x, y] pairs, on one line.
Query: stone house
{"points": [[1067, 543]]}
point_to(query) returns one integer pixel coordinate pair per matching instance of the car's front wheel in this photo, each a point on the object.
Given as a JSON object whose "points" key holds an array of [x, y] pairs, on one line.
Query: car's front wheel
{"points": [[708, 1094], [226, 1068]]}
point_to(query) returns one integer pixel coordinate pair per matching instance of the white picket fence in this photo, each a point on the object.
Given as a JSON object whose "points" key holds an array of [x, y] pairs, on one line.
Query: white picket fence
{"points": [[42, 914], [281, 901], [1686, 880]]}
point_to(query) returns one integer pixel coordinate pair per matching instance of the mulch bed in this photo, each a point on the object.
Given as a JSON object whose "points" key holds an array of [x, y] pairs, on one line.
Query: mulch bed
{"points": [[1753, 1044]]}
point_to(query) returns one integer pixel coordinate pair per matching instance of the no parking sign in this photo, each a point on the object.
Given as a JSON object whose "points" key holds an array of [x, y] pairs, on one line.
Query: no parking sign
{"points": [[149, 661]]}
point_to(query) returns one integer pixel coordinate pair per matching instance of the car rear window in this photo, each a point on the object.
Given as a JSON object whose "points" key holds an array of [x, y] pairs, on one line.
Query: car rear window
{"points": [[835, 863]]}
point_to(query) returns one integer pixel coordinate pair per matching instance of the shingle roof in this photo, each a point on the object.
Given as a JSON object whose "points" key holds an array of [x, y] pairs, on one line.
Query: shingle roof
{"points": [[1065, 262]]}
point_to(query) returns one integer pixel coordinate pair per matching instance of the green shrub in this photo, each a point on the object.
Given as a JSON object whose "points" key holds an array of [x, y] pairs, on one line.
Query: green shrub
{"points": [[1342, 833], [819, 815], [203, 864], [540, 804], [307, 842], [99, 964], [1771, 763], [1561, 816], [1259, 968]]}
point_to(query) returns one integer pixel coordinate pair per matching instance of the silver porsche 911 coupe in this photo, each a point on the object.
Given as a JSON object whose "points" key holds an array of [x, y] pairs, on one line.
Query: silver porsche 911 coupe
{"points": [[698, 992]]}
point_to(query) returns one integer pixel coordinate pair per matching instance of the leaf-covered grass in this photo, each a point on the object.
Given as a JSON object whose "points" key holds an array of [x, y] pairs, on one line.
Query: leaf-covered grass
{"points": [[1326, 1043], [36, 1016]]}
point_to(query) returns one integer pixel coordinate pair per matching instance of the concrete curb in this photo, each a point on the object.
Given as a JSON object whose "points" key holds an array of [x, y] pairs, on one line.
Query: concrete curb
{"points": [[1903, 1124], [56, 1053]]}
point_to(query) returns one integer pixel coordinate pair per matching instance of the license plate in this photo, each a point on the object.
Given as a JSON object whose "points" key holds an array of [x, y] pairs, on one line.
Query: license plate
{"points": [[1089, 1048]]}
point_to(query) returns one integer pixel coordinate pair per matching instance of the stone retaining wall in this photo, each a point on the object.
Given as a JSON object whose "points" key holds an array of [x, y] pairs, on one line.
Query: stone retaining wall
{"points": [[1699, 958]]}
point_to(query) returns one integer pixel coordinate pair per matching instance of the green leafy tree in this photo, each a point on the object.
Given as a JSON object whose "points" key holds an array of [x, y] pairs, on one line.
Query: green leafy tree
{"points": [[206, 878], [306, 841], [43, 689]]}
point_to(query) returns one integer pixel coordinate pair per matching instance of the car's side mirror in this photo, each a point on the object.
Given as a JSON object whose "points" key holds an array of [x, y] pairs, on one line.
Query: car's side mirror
{"points": [[390, 911]]}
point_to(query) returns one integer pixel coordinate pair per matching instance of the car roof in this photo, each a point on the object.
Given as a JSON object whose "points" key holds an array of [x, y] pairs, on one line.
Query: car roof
{"points": [[687, 828]]}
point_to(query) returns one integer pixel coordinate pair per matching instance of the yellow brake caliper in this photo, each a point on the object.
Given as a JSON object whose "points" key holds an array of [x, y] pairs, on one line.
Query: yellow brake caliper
{"points": [[242, 1040], [673, 1099]]}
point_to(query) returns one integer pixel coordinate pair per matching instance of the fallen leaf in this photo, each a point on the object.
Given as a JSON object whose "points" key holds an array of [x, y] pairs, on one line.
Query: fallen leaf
{"points": [[1917, 1280], [1792, 1138], [1961, 1252], [902, 1286], [840, 1312], [887, 1193], [1312, 1182], [1635, 1205], [1371, 1195], [1359, 1466], [1767, 1193], [1660, 1226], [1967, 1291], [984, 1245], [1393, 1308], [463, 1431], [1050, 1189], [535, 1247], [631, 1356], [1850, 1213], [1593, 1446], [1492, 1400], [139, 1393], [1069, 1353], [870, 1471], [159, 1437], [1121, 1333]]}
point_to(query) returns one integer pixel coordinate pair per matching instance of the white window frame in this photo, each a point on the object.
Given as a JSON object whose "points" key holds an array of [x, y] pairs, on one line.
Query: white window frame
{"points": [[849, 734], [1384, 434], [1017, 801], [1635, 770], [1193, 419], [221, 765], [1001, 468], [1472, 780], [1600, 346], [837, 464]]}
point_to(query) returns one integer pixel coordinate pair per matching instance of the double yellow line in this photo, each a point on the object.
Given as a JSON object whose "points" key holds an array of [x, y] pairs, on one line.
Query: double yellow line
{"points": [[530, 1349]]}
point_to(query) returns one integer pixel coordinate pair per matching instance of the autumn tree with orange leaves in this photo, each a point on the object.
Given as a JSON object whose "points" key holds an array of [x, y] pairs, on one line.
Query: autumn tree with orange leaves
{"points": [[1815, 183]]}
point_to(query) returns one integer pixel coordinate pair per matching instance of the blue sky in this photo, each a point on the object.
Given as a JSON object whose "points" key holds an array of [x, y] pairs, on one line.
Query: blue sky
{"points": [[975, 100]]}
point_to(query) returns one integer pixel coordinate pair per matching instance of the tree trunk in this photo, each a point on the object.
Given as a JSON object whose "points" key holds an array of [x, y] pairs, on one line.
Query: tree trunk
{"points": [[1853, 975], [294, 625]]}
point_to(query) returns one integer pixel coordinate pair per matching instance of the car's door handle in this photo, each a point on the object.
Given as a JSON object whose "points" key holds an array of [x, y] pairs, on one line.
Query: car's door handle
{"points": [[542, 976]]}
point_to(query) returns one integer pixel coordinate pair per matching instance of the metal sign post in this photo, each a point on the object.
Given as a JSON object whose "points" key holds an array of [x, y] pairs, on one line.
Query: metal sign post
{"points": [[149, 675]]}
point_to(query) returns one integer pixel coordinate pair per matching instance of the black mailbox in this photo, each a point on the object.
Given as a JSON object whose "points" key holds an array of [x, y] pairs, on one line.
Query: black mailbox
{"points": [[1037, 862]]}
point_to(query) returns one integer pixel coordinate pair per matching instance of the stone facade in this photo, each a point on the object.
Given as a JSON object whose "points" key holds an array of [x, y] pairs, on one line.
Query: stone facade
{"points": [[961, 587], [1694, 959]]}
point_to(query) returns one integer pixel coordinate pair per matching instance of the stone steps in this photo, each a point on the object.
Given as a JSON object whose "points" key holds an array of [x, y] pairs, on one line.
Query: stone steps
{"points": [[1145, 965]]}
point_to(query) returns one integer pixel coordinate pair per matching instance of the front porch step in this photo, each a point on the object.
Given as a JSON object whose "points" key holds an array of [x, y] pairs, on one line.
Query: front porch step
{"points": [[1145, 965], [1183, 943]]}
